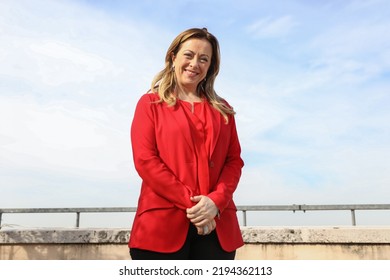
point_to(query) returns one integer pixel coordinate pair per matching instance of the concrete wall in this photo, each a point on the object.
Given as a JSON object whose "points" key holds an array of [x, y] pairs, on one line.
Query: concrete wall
{"points": [[343, 243]]}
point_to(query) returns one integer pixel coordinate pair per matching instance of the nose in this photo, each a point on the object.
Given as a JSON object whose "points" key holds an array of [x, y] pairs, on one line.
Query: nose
{"points": [[194, 63]]}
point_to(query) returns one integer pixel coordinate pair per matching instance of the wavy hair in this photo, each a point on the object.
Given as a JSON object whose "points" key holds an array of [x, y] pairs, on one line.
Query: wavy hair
{"points": [[164, 83]]}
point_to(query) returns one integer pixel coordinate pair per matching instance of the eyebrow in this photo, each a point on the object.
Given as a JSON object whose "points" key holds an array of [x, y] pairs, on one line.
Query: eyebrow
{"points": [[194, 52]]}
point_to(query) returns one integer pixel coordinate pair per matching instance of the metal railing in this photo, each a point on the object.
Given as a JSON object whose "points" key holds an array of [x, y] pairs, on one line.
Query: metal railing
{"points": [[243, 209], [304, 208]]}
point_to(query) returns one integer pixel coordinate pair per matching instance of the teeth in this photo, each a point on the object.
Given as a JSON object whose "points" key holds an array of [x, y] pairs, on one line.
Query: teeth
{"points": [[191, 73]]}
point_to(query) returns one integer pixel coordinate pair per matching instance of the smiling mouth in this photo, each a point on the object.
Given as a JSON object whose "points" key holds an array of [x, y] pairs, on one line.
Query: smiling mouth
{"points": [[191, 73]]}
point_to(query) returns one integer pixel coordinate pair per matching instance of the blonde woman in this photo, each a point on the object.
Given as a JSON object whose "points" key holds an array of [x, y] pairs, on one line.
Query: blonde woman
{"points": [[187, 153]]}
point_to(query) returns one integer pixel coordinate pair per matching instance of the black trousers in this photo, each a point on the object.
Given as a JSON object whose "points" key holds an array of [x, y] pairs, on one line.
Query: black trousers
{"points": [[196, 247]]}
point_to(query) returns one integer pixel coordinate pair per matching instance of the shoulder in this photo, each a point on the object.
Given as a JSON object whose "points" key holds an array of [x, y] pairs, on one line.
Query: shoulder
{"points": [[227, 109], [148, 100], [150, 97], [223, 101]]}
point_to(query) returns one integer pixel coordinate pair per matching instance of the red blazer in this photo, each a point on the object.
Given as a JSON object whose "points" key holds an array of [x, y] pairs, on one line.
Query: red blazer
{"points": [[165, 159]]}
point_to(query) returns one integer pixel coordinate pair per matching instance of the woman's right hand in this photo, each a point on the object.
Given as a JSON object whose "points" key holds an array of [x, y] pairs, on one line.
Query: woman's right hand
{"points": [[206, 229]]}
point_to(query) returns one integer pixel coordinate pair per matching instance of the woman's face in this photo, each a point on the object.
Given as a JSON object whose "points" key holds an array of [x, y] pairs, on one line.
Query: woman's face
{"points": [[191, 63]]}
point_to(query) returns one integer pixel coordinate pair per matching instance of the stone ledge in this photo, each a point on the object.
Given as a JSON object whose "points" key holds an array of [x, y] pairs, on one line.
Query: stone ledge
{"points": [[317, 235], [64, 236], [251, 235]]}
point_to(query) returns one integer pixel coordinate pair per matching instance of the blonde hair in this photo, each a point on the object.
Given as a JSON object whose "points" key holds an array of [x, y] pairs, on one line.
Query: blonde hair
{"points": [[164, 82]]}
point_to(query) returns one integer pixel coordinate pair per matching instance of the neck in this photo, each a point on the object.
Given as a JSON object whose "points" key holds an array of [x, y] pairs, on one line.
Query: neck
{"points": [[187, 95]]}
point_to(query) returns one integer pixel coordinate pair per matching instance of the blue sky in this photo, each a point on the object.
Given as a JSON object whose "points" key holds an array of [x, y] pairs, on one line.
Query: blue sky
{"points": [[310, 81]]}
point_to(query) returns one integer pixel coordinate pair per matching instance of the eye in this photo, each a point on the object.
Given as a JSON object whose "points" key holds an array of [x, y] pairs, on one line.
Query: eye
{"points": [[204, 59]]}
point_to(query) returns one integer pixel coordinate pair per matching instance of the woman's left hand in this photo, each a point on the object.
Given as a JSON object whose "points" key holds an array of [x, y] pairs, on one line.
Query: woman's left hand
{"points": [[203, 213]]}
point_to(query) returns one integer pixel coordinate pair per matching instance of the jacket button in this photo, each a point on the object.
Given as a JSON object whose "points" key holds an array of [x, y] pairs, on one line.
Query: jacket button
{"points": [[211, 164]]}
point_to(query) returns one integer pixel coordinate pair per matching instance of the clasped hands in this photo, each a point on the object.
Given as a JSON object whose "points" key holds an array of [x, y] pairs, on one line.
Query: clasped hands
{"points": [[202, 214]]}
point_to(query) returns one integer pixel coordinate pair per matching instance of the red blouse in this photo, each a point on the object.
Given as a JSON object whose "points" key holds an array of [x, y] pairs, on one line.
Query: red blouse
{"points": [[201, 125]]}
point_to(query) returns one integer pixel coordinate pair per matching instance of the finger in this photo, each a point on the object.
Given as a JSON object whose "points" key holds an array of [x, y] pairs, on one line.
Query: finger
{"points": [[203, 222], [213, 224], [197, 206], [199, 216], [196, 214], [201, 227], [194, 209], [198, 221], [196, 198], [207, 229]]}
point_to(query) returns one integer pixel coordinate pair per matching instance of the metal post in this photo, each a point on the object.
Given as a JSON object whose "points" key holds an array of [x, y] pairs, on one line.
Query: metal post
{"points": [[244, 216], [1, 214], [78, 219], [353, 217]]}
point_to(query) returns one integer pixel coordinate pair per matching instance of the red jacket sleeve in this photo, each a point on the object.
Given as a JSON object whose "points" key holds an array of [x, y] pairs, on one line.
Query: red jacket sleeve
{"points": [[152, 170], [231, 172]]}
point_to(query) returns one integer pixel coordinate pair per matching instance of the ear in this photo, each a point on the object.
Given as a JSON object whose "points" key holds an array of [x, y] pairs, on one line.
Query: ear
{"points": [[173, 57]]}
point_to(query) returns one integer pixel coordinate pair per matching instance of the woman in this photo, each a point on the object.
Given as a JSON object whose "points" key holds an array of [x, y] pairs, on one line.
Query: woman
{"points": [[187, 153]]}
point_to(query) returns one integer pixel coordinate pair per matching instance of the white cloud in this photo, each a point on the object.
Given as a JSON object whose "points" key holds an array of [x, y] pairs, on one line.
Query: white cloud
{"points": [[64, 137], [66, 102], [272, 27], [354, 51], [60, 63]]}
